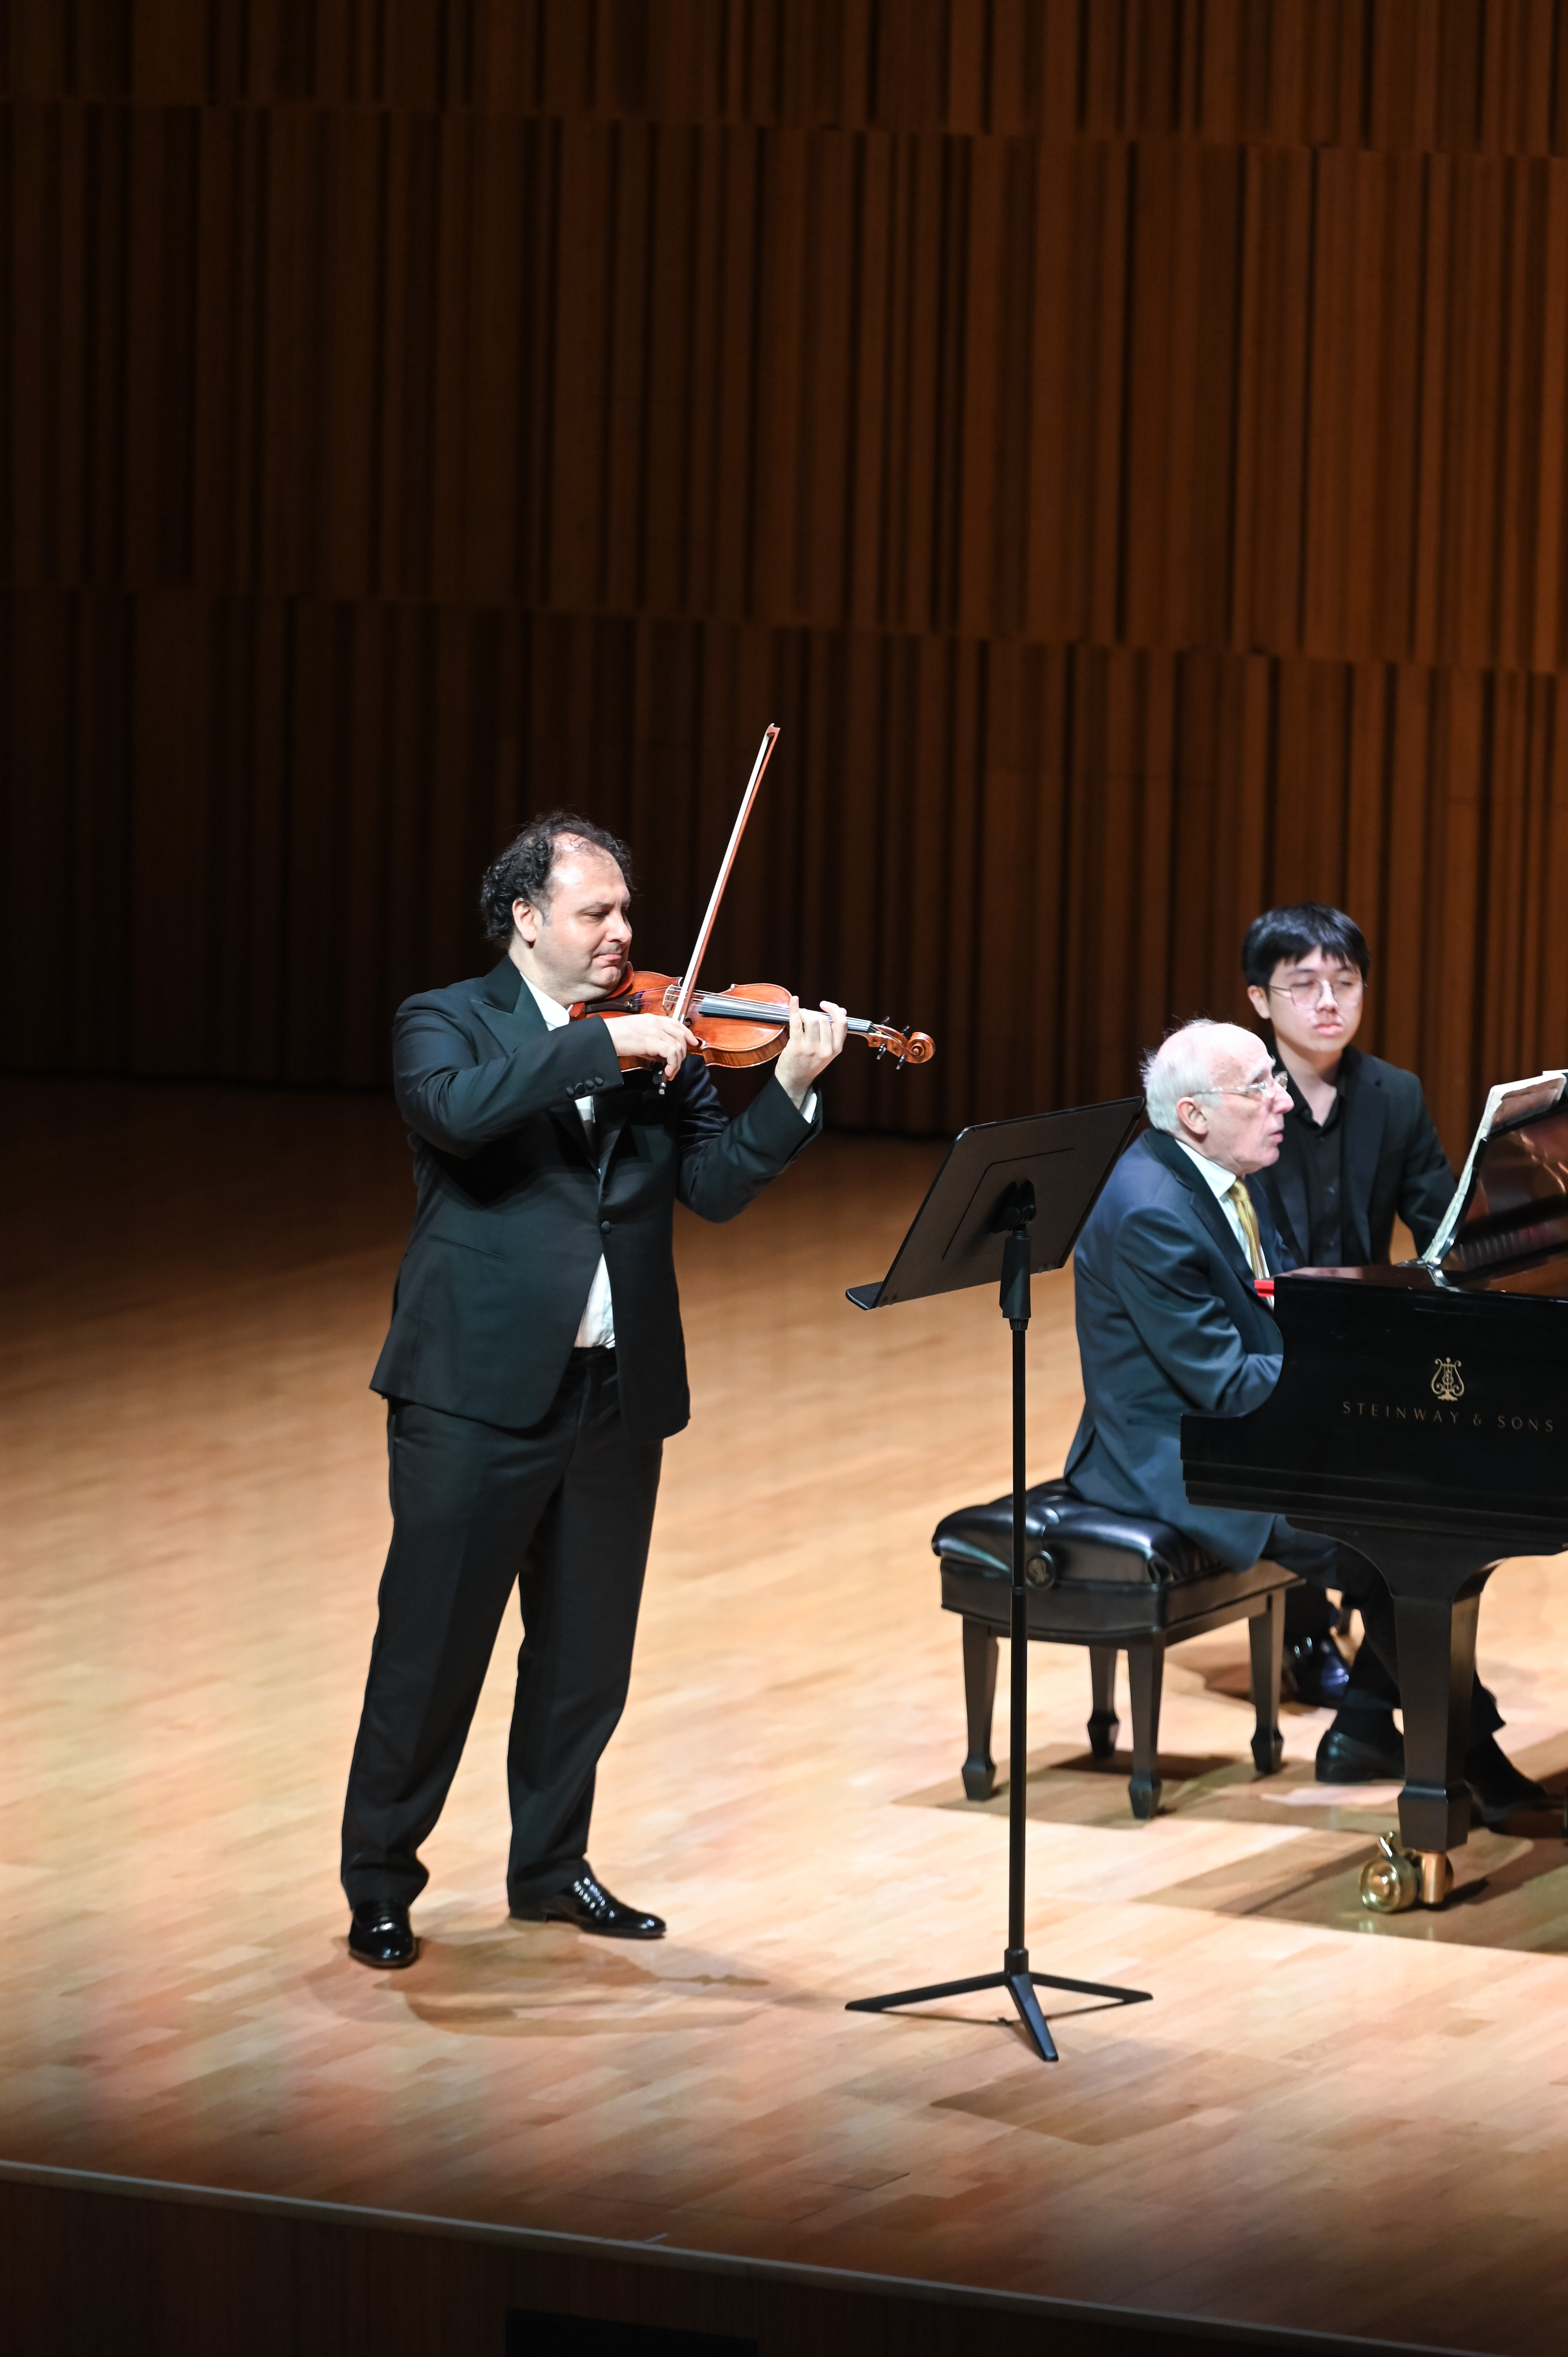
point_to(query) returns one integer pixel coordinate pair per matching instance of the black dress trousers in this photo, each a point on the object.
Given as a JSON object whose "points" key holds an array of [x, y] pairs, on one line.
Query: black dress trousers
{"points": [[564, 1509]]}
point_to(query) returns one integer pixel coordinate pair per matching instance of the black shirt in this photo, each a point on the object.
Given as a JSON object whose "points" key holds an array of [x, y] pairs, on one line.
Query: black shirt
{"points": [[1393, 1165], [1318, 1150]]}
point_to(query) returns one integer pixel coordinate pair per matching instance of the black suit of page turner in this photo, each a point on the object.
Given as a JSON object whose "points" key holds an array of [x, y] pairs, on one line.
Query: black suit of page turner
{"points": [[514, 1455], [1391, 1162], [1334, 1194]]}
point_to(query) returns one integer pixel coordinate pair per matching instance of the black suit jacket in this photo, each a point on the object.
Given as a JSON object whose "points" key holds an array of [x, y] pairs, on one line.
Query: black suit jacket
{"points": [[1169, 1324], [1393, 1162], [514, 1207]]}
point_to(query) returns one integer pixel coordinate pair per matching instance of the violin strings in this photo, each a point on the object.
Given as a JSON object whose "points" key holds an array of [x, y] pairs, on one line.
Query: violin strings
{"points": [[760, 1010]]}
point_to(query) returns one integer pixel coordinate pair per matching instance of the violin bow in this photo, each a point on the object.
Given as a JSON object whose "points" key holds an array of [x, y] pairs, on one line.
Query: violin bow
{"points": [[689, 980]]}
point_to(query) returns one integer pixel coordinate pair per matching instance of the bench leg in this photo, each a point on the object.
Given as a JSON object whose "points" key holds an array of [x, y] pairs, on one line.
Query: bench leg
{"points": [[979, 1701], [1266, 1636], [1145, 1673], [1103, 1723]]}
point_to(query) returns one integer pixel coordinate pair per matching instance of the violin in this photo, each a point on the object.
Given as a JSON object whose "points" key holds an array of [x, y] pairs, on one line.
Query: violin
{"points": [[744, 1024], [751, 1024]]}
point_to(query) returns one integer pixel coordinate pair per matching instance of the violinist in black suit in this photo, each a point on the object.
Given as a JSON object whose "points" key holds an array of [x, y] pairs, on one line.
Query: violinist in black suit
{"points": [[1359, 1146], [536, 1366]]}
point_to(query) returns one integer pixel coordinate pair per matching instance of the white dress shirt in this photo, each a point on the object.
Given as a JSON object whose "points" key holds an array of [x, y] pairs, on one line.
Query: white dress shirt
{"points": [[597, 1327], [1221, 1181]]}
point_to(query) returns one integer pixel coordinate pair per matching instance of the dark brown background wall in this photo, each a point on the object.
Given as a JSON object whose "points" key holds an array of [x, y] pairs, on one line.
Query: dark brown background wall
{"points": [[1122, 441]]}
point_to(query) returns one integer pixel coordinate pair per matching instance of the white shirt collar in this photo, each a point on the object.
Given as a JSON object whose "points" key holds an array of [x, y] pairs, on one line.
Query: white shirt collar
{"points": [[1221, 1179], [555, 1014]]}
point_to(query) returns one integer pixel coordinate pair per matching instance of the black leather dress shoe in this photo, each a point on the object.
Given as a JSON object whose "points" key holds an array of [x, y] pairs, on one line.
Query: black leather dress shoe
{"points": [[1315, 1673], [1374, 1757], [592, 1908], [1498, 1788], [378, 1934]]}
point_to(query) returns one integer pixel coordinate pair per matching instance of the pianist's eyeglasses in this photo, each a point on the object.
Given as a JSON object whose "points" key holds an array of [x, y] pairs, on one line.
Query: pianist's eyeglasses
{"points": [[1257, 1089], [1347, 988]]}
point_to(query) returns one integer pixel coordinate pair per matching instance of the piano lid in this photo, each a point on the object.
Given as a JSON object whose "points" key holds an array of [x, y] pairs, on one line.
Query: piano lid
{"points": [[1511, 1209]]}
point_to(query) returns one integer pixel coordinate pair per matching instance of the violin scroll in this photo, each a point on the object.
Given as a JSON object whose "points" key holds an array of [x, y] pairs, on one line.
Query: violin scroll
{"points": [[906, 1047]]}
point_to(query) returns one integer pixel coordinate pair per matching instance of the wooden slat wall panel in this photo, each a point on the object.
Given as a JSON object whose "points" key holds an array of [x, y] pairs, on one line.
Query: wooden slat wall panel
{"points": [[1448, 76], [1122, 440], [1163, 394], [1124, 813]]}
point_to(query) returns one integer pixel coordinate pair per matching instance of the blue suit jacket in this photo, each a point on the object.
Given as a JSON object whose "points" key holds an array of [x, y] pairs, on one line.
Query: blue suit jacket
{"points": [[1169, 1325]]}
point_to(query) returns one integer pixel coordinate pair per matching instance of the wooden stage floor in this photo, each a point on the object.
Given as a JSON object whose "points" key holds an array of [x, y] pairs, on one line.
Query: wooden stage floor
{"points": [[1323, 2120]]}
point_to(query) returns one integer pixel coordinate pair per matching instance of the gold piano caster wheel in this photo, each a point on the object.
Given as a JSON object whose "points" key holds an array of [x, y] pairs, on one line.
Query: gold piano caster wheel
{"points": [[1436, 1876], [1392, 1881]]}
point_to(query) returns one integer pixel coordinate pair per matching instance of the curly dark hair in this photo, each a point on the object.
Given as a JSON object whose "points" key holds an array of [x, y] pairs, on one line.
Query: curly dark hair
{"points": [[523, 869]]}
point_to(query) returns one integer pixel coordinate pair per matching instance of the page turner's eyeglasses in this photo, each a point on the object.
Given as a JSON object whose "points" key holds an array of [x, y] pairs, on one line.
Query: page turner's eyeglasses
{"points": [[1306, 990]]}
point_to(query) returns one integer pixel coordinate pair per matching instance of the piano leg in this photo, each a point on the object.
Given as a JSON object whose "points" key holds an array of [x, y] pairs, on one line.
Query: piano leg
{"points": [[1435, 1580], [1437, 1668]]}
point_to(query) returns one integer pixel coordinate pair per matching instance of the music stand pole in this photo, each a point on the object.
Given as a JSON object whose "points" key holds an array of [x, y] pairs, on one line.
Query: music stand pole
{"points": [[1013, 1217], [1015, 1308]]}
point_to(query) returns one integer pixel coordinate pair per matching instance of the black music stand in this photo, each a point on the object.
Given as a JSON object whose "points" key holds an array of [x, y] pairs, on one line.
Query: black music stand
{"points": [[1011, 1198]]}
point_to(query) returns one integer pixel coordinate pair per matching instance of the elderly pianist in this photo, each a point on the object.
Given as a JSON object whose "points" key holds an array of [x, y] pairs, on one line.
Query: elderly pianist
{"points": [[1170, 1323]]}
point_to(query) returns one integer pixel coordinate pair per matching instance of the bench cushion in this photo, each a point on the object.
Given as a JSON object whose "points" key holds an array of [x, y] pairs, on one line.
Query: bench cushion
{"points": [[1074, 1540], [1095, 1575]]}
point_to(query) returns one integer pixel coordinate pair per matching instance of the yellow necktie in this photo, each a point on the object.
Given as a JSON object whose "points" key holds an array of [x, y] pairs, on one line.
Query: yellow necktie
{"points": [[1236, 1195]]}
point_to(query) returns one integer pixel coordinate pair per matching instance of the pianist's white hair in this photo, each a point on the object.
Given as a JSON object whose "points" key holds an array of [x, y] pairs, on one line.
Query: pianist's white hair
{"points": [[1186, 1063]]}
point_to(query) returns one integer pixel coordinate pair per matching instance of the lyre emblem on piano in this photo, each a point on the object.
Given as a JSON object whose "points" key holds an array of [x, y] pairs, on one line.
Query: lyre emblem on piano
{"points": [[1445, 1383]]}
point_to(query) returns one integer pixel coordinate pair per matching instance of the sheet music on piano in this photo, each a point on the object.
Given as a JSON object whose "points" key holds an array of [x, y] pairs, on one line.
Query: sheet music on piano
{"points": [[1507, 1103]]}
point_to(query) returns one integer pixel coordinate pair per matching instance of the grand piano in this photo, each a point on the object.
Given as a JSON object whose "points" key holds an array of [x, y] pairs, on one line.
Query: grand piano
{"points": [[1422, 1416]]}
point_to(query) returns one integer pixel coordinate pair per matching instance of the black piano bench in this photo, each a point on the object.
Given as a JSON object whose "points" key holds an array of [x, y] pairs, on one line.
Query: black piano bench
{"points": [[1116, 1583]]}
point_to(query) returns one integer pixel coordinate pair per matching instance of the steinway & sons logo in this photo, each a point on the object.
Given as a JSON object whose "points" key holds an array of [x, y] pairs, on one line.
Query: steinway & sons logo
{"points": [[1448, 1386]]}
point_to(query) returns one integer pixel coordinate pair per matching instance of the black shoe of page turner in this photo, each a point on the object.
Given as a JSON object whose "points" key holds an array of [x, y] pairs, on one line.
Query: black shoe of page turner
{"points": [[1498, 1788], [1315, 1673], [592, 1908], [1375, 1758], [380, 1935]]}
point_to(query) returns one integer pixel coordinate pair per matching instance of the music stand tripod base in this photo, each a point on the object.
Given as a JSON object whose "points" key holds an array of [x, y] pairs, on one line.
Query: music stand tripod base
{"points": [[1020, 1986], [1012, 1195]]}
